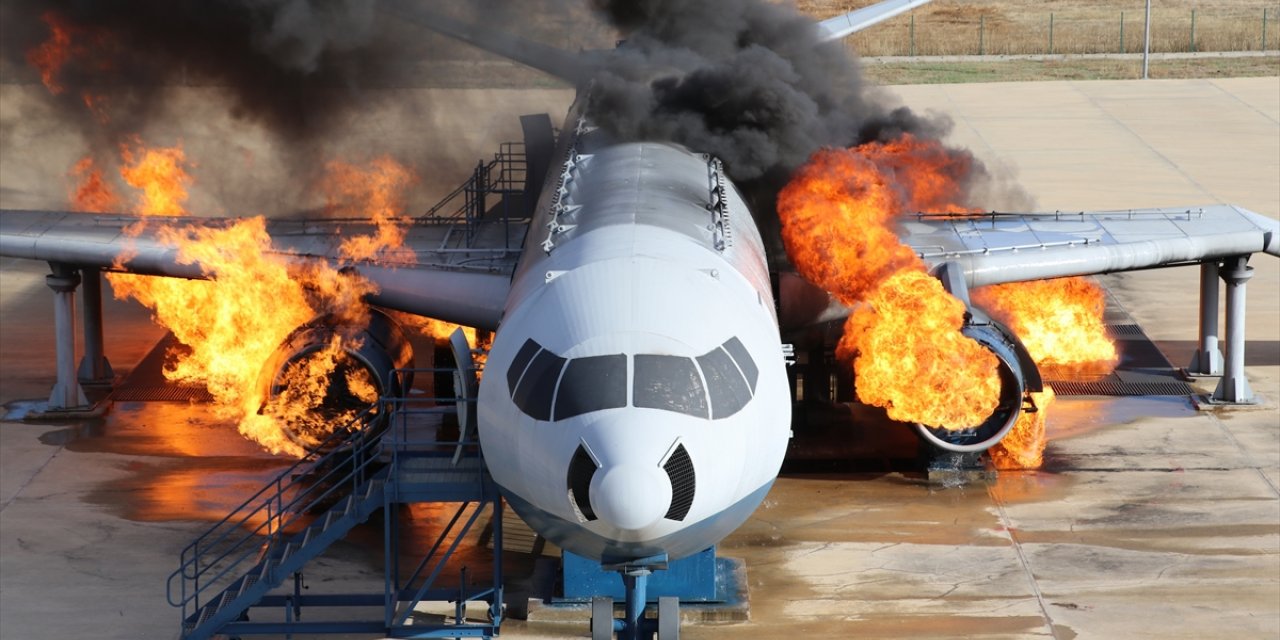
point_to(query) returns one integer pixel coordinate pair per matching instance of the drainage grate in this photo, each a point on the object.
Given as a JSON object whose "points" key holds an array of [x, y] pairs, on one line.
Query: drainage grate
{"points": [[1143, 371], [1124, 330], [1116, 387], [146, 383], [160, 393]]}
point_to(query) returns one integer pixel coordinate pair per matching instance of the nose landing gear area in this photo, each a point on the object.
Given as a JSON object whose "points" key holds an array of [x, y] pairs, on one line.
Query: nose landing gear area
{"points": [[634, 625]]}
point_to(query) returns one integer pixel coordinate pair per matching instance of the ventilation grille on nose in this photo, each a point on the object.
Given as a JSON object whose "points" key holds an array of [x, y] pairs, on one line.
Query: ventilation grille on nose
{"points": [[581, 469], [679, 470]]}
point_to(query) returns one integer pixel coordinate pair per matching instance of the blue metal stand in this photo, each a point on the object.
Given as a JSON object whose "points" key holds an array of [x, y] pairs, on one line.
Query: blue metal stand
{"points": [[693, 579], [634, 625], [386, 461]]}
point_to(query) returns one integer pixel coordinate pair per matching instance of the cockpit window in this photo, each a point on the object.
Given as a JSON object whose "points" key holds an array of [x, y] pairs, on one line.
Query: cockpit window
{"points": [[592, 383], [748, 366], [729, 392], [522, 360], [671, 383], [534, 392], [713, 386]]}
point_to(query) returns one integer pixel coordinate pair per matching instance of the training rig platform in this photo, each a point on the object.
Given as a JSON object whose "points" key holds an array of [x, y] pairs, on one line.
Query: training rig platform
{"points": [[244, 575]]}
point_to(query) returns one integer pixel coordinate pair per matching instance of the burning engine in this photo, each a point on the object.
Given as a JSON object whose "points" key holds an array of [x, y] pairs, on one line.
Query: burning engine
{"points": [[1018, 376], [327, 372]]}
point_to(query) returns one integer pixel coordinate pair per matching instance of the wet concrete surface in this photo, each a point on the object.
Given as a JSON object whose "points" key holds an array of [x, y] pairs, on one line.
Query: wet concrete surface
{"points": [[1150, 518]]}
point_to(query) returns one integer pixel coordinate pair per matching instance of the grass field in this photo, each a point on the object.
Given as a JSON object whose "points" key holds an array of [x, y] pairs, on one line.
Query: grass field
{"points": [[1024, 70], [1001, 27]]}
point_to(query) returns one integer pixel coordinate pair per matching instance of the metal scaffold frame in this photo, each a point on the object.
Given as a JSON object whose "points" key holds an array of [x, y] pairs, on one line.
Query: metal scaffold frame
{"points": [[254, 558]]}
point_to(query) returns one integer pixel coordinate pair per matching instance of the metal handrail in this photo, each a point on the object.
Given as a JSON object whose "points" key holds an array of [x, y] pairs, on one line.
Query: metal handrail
{"points": [[194, 564], [350, 452], [509, 162]]}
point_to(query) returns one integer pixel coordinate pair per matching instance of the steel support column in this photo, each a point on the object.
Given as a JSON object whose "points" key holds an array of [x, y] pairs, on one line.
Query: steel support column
{"points": [[1234, 387], [94, 368], [636, 582], [66, 393], [1207, 360]]}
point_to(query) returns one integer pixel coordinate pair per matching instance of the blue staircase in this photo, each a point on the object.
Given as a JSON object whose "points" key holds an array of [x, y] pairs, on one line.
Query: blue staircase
{"points": [[390, 456]]}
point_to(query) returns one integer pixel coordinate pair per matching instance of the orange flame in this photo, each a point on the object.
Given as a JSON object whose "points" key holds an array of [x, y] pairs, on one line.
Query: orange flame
{"points": [[378, 193], [910, 357], [53, 54], [440, 332], [1023, 447], [1059, 321], [309, 401], [92, 193], [235, 320], [1061, 324], [160, 174]]}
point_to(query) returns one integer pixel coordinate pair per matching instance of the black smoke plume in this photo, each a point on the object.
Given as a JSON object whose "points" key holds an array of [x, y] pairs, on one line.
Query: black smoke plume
{"points": [[748, 81], [289, 64]]}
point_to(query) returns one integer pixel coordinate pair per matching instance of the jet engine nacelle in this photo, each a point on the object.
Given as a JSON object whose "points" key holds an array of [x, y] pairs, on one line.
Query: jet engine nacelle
{"points": [[370, 354], [1018, 375]]}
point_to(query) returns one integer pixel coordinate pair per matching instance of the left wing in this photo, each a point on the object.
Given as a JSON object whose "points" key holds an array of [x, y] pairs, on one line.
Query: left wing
{"points": [[438, 276], [843, 25], [998, 247]]}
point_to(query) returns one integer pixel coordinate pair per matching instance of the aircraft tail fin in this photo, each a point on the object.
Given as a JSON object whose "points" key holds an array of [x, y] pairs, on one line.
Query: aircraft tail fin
{"points": [[843, 25], [557, 62]]}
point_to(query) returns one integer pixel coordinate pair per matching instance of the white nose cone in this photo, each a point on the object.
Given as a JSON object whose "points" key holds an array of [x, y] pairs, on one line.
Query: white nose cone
{"points": [[631, 496]]}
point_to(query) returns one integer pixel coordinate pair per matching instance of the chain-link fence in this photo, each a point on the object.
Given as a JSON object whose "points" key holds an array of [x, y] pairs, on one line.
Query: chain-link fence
{"points": [[974, 30]]}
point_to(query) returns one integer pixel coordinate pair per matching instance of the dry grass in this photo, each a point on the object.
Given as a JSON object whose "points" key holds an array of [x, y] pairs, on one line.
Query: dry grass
{"points": [[955, 27]]}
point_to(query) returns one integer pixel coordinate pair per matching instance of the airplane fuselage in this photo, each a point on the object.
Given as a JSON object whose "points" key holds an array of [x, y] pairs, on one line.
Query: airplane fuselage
{"points": [[635, 401]]}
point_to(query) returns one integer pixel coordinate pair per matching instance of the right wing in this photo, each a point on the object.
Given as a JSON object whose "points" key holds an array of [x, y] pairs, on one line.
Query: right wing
{"points": [[997, 247], [843, 25], [464, 284]]}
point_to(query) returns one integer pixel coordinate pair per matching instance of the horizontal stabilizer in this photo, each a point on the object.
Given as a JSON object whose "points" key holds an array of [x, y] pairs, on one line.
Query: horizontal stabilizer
{"points": [[557, 62], [843, 25]]}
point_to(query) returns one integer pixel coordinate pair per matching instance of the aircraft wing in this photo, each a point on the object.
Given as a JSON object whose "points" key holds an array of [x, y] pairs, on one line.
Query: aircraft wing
{"points": [[995, 248], [843, 25], [448, 278]]}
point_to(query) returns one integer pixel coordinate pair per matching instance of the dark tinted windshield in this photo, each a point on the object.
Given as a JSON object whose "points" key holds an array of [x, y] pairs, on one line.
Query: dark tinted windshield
{"points": [[729, 391], [715, 385], [538, 384], [592, 384], [670, 383]]}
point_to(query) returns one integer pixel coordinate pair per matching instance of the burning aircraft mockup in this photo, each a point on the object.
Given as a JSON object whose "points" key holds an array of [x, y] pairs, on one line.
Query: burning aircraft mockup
{"points": [[635, 402]]}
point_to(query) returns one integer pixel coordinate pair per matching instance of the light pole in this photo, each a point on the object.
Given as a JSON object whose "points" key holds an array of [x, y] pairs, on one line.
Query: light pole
{"points": [[1146, 46]]}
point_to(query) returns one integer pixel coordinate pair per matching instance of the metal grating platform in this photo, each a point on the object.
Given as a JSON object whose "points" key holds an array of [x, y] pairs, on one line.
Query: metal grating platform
{"points": [[1143, 370], [160, 393], [1117, 330], [146, 383], [1115, 387]]}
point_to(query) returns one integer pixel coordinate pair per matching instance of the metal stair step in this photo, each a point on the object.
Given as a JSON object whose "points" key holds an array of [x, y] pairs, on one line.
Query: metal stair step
{"points": [[433, 463], [214, 606], [247, 584]]}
